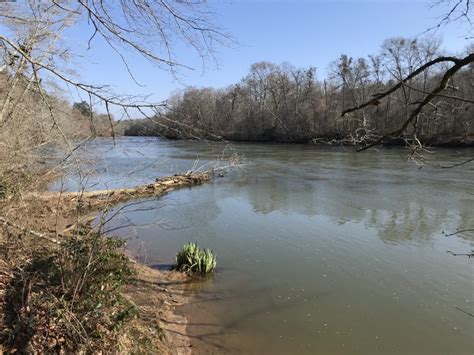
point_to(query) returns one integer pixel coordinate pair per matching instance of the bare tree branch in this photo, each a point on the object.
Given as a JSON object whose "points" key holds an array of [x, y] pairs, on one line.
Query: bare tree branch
{"points": [[459, 64], [377, 97]]}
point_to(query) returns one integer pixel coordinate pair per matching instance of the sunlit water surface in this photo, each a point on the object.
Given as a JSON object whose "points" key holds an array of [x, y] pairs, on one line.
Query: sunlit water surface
{"points": [[319, 250]]}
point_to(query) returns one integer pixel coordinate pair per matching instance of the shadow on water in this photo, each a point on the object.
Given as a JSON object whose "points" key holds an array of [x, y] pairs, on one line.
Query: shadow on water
{"points": [[162, 267]]}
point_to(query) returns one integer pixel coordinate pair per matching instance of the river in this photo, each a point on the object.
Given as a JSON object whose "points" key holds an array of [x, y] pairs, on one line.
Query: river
{"points": [[320, 250]]}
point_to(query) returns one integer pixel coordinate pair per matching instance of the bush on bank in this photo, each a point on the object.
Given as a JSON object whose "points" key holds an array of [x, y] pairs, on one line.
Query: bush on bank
{"points": [[68, 299]]}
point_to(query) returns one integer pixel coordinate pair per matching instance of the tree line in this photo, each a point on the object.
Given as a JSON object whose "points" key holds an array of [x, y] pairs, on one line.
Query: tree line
{"points": [[283, 103]]}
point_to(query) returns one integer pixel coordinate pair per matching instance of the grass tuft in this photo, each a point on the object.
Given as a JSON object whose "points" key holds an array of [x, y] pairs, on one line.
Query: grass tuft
{"points": [[191, 258]]}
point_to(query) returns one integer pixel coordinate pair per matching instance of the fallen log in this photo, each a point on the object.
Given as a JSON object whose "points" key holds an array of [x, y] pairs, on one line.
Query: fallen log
{"points": [[54, 211], [101, 198]]}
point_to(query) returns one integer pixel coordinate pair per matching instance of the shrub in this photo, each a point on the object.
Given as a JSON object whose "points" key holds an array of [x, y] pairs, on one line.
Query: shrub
{"points": [[68, 300], [193, 259]]}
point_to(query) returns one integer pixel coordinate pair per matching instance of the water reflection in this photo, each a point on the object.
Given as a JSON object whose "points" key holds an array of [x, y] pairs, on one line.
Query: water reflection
{"points": [[411, 224], [400, 211]]}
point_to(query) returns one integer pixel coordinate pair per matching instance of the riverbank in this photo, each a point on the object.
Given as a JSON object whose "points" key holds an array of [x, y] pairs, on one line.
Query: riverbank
{"points": [[447, 141], [40, 228]]}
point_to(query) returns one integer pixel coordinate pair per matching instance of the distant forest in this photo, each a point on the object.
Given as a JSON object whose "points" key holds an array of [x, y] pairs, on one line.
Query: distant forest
{"points": [[282, 103]]}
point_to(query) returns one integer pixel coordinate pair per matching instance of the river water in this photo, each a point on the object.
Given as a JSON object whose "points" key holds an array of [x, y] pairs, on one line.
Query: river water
{"points": [[320, 251]]}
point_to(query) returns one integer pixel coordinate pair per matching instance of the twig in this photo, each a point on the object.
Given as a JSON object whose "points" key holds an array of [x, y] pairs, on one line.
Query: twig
{"points": [[463, 311], [469, 255], [458, 231]]}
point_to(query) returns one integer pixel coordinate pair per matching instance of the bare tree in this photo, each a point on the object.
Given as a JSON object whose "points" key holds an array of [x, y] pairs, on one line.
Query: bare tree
{"points": [[150, 29]]}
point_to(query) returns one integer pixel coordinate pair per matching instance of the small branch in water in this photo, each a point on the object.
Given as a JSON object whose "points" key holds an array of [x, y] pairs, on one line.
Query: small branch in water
{"points": [[455, 165], [469, 255], [458, 231], [463, 311]]}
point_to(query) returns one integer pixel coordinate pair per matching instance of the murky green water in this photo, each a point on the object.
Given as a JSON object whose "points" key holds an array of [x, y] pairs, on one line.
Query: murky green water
{"points": [[320, 251]]}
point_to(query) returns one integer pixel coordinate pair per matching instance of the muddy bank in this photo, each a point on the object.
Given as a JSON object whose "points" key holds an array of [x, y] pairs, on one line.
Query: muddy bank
{"points": [[156, 294]]}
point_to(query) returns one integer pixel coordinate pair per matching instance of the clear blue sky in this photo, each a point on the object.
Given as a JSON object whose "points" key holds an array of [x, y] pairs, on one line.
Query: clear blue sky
{"points": [[304, 33]]}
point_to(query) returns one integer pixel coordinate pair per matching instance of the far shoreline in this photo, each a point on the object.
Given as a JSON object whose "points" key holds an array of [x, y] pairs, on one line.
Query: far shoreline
{"points": [[324, 142]]}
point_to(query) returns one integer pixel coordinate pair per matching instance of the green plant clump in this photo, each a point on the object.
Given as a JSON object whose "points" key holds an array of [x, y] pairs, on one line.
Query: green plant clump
{"points": [[193, 259]]}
